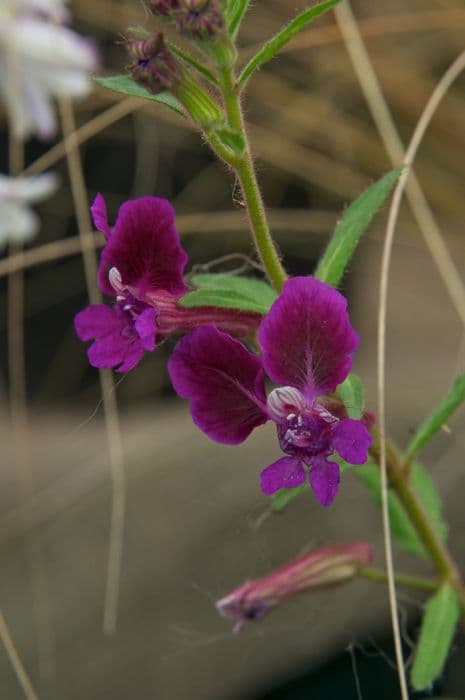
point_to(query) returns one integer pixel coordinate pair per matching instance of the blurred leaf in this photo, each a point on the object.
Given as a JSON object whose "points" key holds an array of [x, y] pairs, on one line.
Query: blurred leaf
{"points": [[441, 414], [234, 14], [351, 394], [402, 530], [437, 631], [281, 498], [276, 43], [127, 86], [351, 227], [428, 493]]}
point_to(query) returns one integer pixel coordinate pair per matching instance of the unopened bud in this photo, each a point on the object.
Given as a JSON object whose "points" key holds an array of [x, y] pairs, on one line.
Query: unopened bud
{"points": [[324, 567], [200, 19], [154, 66], [164, 8]]}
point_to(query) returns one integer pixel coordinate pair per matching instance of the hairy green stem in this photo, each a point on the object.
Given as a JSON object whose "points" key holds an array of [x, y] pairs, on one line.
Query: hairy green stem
{"points": [[436, 548], [244, 167], [380, 576]]}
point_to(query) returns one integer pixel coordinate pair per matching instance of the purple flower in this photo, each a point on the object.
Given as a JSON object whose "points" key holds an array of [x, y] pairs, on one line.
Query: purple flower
{"points": [[307, 346], [142, 267]]}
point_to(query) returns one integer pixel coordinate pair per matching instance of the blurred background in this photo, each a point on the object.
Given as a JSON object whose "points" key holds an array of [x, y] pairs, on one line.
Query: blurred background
{"points": [[197, 525]]}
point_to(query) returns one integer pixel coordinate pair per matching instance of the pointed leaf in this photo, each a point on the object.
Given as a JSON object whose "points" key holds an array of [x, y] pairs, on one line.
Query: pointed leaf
{"points": [[235, 12], [402, 530], [438, 418], [199, 67], [258, 292], [351, 227], [436, 636], [127, 86], [351, 394], [276, 43]]}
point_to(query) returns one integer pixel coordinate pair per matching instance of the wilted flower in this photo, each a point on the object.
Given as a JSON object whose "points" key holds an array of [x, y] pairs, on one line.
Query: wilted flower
{"points": [[307, 346], [18, 223], [200, 19], [39, 61], [322, 568], [142, 267]]}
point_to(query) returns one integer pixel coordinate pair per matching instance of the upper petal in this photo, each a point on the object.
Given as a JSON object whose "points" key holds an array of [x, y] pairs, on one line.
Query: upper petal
{"points": [[99, 215], [324, 479], [285, 473], [145, 247], [223, 380], [306, 337], [352, 440]]}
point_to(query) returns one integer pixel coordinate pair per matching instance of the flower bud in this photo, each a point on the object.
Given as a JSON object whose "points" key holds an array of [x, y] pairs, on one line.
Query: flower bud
{"points": [[164, 8], [324, 567], [154, 66], [200, 19]]}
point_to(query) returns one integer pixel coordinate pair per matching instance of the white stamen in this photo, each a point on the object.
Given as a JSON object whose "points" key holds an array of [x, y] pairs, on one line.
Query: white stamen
{"points": [[283, 400], [114, 277]]}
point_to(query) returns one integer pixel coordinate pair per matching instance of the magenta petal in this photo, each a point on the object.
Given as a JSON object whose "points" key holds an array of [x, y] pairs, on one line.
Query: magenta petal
{"points": [[352, 440], [108, 351], [223, 380], [132, 357], [146, 328], [145, 248], [324, 479], [99, 216], [285, 473], [306, 337], [96, 321]]}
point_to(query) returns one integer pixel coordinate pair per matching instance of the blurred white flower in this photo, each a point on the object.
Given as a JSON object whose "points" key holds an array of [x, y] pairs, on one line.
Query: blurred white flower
{"points": [[40, 60], [18, 223]]}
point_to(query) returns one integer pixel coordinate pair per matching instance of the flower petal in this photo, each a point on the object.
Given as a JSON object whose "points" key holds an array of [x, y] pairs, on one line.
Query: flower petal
{"points": [[285, 473], [352, 440], [146, 328], [324, 479], [96, 321], [306, 337], [108, 351], [145, 248], [223, 380], [99, 216]]}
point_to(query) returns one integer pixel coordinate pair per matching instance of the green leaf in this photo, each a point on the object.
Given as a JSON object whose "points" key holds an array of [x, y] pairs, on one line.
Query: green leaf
{"points": [[276, 43], [402, 530], [234, 15], [257, 294], [351, 394], [438, 418], [127, 86], [436, 636], [351, 228], [232, 139], [231, 292]]}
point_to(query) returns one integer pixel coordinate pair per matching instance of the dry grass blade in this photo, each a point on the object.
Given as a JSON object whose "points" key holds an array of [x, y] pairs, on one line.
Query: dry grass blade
{"points": [[18, 405], [13, 655], [106, 381]]}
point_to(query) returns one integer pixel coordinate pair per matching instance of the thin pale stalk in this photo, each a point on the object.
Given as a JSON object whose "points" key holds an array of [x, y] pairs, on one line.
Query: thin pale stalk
{"points": [[395, 149], [19, 411], [15, 660], [115, 447]]}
